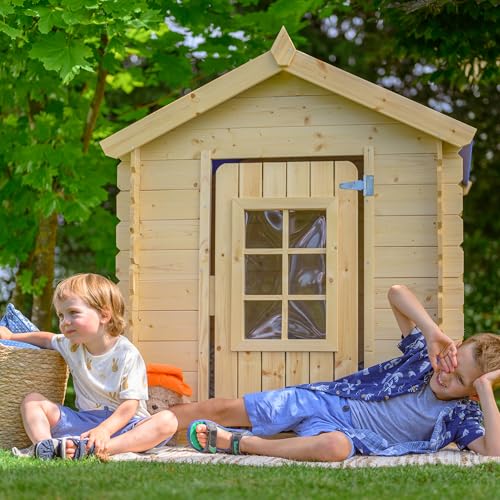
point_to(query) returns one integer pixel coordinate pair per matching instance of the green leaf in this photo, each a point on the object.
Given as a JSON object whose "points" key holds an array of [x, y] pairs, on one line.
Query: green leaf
{"points": [[48, 19], [10, 31], [64, 55]]}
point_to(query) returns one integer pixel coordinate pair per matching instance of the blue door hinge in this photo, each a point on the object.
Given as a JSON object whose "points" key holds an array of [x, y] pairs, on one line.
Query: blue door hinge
{"points": [[365, 185]]}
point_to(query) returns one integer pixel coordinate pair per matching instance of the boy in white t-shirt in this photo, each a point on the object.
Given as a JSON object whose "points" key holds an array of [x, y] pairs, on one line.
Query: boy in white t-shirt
{"points": [[109, 377]]}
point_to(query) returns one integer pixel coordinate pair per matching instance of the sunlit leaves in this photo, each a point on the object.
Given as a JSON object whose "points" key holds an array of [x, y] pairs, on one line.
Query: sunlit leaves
{"points": [[62, 54]]}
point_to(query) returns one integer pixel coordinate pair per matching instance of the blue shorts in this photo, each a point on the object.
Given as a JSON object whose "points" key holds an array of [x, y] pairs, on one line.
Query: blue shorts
{"points": [[75, 423], [292, 409]]}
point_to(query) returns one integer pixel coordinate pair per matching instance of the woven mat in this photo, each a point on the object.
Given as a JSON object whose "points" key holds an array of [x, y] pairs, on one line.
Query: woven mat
{"points": [[188, 455]]}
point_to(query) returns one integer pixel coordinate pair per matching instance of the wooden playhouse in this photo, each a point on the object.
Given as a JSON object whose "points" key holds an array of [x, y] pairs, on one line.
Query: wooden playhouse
{"points": [[264, 216]]}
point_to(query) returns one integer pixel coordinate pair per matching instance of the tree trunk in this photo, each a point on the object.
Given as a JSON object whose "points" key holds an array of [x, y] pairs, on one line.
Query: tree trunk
{"points": [[43, 266], [21, 300]]}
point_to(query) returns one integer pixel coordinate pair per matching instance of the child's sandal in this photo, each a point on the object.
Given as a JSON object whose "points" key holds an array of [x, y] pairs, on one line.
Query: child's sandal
{"points": [[211, 444]]}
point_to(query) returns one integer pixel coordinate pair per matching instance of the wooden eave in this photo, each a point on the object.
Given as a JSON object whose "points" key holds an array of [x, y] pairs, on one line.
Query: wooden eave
{"points": [[284, 57]]}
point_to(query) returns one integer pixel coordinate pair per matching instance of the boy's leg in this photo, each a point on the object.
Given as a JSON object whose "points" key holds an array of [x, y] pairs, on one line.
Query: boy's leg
{"points": [[227, 412], [145, 435], [39, 415], [326, 447]]}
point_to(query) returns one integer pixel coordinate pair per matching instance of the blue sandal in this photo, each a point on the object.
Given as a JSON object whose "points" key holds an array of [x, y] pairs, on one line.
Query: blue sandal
{"points": [[211, 445], [48, 449]]}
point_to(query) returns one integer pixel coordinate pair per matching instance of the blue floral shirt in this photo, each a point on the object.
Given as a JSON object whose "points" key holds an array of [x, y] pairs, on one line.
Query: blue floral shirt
{"points": [[460, 422]]}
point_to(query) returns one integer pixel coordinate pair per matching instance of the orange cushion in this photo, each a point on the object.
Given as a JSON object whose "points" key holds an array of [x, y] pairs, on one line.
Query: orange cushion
{"points": [[168, 376]]}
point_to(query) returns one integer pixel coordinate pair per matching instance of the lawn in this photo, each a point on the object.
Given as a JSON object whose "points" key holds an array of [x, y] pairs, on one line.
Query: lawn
{"points": [[30, 478]]}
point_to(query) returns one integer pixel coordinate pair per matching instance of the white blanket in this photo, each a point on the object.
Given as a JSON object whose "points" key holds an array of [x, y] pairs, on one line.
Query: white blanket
{"points": [[188, 455]]}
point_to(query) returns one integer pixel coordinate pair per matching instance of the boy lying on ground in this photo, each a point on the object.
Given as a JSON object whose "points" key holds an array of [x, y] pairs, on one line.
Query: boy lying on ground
{"points": [[417, 403]]}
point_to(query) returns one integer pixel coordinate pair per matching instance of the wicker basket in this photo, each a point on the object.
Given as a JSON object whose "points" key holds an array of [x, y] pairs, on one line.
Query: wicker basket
{"points": [[23, 371]]}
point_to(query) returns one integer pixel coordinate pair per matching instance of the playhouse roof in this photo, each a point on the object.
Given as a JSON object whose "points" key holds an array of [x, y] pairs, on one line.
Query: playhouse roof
{"points": [[284, 57]]}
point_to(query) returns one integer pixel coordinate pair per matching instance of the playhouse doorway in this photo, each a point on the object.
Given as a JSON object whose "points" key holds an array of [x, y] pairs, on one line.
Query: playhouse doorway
{"points": [[286, 274]]}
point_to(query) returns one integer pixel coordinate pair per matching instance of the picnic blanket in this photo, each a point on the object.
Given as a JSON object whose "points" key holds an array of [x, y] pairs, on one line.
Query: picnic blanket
{"points": [[182, 454]]}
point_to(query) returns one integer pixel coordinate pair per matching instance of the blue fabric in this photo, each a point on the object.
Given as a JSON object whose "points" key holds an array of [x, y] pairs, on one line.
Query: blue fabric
{"points": [[408, 417], [304, 412], [16, 322], [74, 423], [460, 423]]}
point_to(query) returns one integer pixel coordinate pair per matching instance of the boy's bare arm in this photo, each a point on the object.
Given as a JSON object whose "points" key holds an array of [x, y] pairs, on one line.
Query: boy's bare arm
{"points": [[40, 339], [100, 436], [409, 313], [489, 444]]}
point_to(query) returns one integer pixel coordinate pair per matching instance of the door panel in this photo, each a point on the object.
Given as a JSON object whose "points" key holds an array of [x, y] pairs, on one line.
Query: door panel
{"points": [[285, 247]]}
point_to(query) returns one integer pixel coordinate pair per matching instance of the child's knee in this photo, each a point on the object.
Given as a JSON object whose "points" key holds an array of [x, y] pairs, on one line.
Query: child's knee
{"points": [[166, 421], [33, 399], [336, 447]]}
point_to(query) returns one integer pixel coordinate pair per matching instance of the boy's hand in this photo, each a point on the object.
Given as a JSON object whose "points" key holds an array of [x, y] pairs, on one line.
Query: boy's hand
{"points": [[99, 437], [442, 351], [5, 333], [490, 379]]}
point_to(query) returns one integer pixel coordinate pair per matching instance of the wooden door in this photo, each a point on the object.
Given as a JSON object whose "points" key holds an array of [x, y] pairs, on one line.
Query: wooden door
{"points": [[286, 279]]}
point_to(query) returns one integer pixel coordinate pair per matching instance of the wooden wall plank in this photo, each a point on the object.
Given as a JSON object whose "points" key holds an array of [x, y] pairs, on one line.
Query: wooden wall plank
{"points": [[162, 264], [284, 84], [204, 258], [191, 379], [163, 174], [178, 353], [406, 200], [403, 262], [249, 363], [226, 362], [288, 111], [409, 230], [405, 169], [161, 235], [298, 185], [453, 262], [155, 205], [453, 323], [169, 295], [322, 364], [131, 266], [346, 359], [168, 325], [453, 293], [123, 175], [386, 326], [452, 199], [425, 289], [273, 363], [453, 229], [370, 238], [187, 142]]}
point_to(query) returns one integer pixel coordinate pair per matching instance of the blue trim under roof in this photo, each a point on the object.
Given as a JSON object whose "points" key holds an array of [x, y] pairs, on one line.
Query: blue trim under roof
{"points": [[466, 154]]}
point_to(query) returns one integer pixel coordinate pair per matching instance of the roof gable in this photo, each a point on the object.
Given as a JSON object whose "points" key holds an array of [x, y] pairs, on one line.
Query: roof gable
{"points": [[284, 57]]}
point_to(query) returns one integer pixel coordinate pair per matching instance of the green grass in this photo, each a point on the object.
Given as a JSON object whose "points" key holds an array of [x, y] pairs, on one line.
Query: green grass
{"points": [[22, 478]]}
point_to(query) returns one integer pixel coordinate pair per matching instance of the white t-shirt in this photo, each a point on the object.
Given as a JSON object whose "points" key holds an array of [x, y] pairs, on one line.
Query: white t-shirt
{"points": [[108, 379]]}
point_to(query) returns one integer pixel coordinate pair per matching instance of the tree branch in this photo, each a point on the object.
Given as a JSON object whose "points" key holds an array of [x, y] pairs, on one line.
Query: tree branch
{"points": [[93, 113]]}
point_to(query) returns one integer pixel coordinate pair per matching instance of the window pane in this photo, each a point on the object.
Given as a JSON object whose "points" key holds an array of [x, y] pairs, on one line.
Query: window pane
{"points": [[306, 319], [306, 274], [307, 228], [263, 319], [263, 274], [264, 229]]}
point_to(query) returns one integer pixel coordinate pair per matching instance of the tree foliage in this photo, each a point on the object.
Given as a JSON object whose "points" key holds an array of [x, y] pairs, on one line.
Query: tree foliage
{"points": [[74, 71]]}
